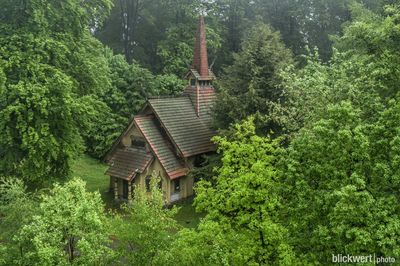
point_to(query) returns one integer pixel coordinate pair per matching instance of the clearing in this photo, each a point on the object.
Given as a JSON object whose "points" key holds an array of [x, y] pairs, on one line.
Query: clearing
{"points": [[92, 172]]}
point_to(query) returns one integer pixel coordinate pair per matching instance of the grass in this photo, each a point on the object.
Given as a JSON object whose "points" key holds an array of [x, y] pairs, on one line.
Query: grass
{"points": [[187, 216], [92, 172]]}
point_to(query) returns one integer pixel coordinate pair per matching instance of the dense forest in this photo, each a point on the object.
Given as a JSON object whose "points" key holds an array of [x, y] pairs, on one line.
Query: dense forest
{"points": [[307, 115]]}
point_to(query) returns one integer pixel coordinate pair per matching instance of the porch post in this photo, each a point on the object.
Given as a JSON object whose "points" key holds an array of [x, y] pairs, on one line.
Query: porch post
{"points": [[129, 191], [115, 188]]}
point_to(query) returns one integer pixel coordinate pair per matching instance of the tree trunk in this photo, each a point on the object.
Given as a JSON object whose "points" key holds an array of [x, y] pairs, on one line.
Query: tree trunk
{"points": [[129, 17], [71, 249]]}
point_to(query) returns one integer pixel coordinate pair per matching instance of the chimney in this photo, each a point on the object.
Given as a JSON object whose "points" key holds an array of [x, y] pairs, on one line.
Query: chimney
{"points": [[200, 60]]}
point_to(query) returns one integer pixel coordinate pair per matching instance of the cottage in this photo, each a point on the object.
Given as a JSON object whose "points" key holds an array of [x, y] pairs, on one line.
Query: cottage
{"points": [[168, 135]]}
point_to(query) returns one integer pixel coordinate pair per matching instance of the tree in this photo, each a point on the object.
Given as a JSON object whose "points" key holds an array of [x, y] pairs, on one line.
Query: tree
{"points": [[363, 70], [341, 186], [69, 228], [146, 227], [372, 40], [252, 82], [54, 65], [17, 207], [99, 126], [52, 60], [339, 178], [39, 135], [242, 205]]}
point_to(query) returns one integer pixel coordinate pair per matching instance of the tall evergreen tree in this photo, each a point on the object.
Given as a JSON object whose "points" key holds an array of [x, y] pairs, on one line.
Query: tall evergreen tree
{"points": [[253, 81]]}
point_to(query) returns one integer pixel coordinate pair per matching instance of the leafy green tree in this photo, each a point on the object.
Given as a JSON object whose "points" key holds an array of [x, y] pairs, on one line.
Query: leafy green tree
{"points": [[99, 126], [50, 61], [372, 40], [133, 84], [69, 228], [339, 173], [39, 135], [17, 207], [146, 227], [253, 82], [363, 70], [242, 205], [341, 185]]}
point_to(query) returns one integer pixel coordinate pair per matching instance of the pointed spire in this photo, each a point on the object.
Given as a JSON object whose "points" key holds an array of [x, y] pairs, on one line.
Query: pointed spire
{"points": [[200, 60]]}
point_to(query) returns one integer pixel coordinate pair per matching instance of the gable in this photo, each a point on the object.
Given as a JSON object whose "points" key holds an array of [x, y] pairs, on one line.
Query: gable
{"points": [[160, 146]]}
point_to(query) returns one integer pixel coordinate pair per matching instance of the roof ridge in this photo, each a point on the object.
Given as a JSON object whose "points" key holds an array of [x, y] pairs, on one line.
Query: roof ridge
{"points": [[166, 97], [144, 116]]}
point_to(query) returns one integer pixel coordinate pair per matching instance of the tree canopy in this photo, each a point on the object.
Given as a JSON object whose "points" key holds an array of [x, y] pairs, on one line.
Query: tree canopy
{"points": [[307, 116]]}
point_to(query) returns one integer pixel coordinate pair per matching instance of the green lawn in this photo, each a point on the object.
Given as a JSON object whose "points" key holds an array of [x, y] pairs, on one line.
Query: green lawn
{"points": [[92, 171]]}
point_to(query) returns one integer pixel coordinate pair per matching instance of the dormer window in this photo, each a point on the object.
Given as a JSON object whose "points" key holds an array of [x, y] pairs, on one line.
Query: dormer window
{"points": [[192, 82]]}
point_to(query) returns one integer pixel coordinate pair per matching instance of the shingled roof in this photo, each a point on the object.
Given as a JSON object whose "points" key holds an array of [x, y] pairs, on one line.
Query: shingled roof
{"points": [[160, 146], [191, 134], [126, 163]]}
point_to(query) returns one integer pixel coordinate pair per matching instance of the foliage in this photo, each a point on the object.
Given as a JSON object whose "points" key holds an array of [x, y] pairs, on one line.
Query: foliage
{"points": [[50, 60], [161, 32], [39, 135], [162, 36], [71, 17], [69, 228], [146, 226], [366, 76], [176, 51], [133, 84], [341, 185], [99, 126], [241, 225], [253, 81], [17, 207], [372, 40]]}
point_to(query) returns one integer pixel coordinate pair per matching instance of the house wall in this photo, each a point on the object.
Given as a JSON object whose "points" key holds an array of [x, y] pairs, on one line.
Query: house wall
{"points": [[186, 182], [156, 168]]}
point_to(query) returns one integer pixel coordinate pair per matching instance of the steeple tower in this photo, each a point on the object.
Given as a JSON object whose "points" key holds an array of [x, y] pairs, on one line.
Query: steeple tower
{"points": [[200, 59], [200, 76]]}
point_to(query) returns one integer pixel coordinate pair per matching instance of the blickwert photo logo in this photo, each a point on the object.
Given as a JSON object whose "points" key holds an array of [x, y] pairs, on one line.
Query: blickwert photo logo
{"points": [[371, 258]]}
